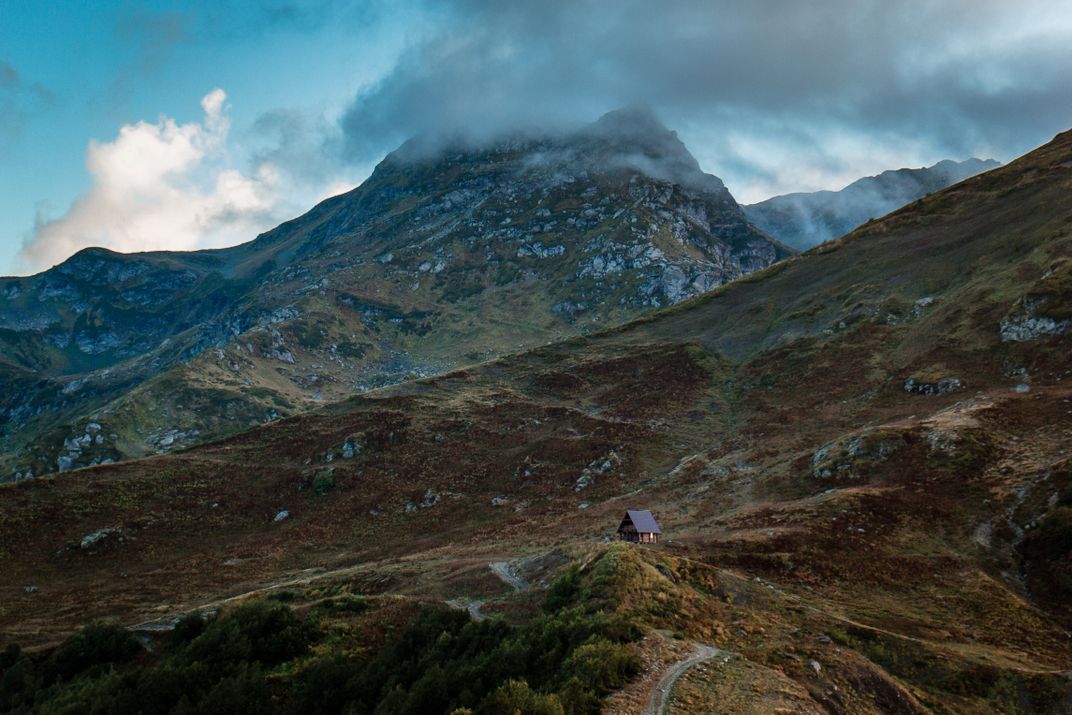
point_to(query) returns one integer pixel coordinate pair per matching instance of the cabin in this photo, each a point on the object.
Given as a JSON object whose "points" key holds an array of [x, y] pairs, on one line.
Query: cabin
{"points": [[639, 527]]}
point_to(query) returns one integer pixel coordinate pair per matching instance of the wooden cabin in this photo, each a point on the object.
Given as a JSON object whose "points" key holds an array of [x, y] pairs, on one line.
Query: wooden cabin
{"points": [[639, 527]]}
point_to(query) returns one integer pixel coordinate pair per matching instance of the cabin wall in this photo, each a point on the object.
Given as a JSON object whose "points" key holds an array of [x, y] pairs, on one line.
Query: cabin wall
{"points": [[638, 538]]}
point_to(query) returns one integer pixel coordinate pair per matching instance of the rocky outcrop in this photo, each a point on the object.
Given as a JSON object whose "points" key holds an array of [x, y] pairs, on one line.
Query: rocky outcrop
{"points": [[939, 386], [1029, 322], [1043, 311], [852, 455]]}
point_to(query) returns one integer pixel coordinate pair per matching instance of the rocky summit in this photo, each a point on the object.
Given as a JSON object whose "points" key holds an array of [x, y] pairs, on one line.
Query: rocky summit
{"points": [[449, 253]]}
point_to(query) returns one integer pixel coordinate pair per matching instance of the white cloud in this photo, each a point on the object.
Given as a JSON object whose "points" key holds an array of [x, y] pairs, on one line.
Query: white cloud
{"points": [[169, 186]]}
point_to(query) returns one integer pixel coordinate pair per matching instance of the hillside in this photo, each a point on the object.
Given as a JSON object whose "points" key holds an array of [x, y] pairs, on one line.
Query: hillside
{"points": [[860, 458], [804, 220], [441, 258]]}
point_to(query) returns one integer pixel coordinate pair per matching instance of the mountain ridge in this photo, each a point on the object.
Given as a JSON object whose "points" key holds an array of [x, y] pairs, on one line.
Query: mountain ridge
{"points": [[431, 263], [806, 219]]}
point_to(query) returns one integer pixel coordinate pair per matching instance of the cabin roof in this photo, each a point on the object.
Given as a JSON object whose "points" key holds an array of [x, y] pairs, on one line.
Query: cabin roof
{"points": [[643, 521]]}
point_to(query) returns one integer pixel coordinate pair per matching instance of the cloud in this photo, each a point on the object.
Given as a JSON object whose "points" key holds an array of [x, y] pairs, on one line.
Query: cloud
{"points": [[772, 95], [171, 186], [18, 102]]}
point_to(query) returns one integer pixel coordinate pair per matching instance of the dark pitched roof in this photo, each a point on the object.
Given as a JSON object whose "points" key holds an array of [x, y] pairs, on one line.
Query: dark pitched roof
{"points": [[643, 521]]}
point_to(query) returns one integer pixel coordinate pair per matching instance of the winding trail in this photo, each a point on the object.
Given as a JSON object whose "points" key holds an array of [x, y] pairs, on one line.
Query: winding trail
{"points": [[661, 692], [506, 573]]}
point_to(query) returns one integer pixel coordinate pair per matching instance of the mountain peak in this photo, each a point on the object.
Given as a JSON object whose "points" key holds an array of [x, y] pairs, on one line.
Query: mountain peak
{"points": [[631, 138], [634, 137], [636, 122]]}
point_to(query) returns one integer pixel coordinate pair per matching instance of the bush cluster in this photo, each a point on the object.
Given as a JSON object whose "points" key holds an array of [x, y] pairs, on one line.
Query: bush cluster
{"points": [[259, 658], [443, 662], [214, 666]]}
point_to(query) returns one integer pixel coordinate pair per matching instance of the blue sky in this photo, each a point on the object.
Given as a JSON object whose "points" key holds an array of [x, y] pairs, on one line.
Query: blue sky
{"points": [[149, 125], [84, 70]]}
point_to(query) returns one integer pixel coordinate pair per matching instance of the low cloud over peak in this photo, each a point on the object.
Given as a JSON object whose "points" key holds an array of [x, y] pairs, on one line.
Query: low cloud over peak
{"points": [[772, 96]]}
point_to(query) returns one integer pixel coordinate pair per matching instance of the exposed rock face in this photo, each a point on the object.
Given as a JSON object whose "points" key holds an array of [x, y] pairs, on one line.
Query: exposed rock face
{"points": [[850, 456], [437, 260], [1030, 323], [941, 386], [92, 539], [804, 220], [1043, 311], [1029, 327]]}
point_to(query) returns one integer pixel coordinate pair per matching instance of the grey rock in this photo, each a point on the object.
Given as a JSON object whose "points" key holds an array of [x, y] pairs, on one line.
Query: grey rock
{"points": [[1025, 328], [431, 498], [942, 386], [350, 448], [95, 537]]}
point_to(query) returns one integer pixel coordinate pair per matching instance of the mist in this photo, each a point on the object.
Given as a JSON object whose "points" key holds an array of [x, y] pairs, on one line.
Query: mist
{"points": [[772, 97], [804, 220]]}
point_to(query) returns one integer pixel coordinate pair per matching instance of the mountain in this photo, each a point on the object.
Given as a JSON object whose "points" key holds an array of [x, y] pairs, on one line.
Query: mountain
{"points": [[803, 220], [443, 257], [859, 458]]}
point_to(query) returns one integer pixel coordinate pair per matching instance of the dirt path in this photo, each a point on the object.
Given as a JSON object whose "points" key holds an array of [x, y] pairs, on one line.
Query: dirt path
{"points": [[502, 569], [661, 692], [510, 577], [471, 605]]}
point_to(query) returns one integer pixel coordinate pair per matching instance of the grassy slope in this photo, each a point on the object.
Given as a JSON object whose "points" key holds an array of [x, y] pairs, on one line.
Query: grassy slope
{"points": [[904, 558]]}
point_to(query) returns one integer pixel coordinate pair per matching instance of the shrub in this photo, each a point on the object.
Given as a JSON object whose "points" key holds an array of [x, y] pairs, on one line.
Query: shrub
{"points": [[602, 665], [323, 483], [326, 685], [18, 683], [243, 693], [515, 696], [1055, 531], [258, 631], [186, 629], [563, 591], [95, 646]]}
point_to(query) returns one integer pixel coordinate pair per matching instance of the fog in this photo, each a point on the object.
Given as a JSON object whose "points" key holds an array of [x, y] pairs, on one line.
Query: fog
{"points": [[772, 96]]}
